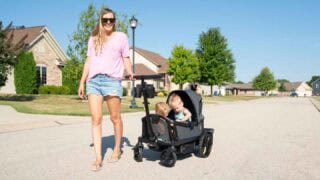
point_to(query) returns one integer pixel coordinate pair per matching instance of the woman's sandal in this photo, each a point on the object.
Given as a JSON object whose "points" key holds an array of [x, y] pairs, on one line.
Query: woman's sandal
{"points": [[114, 158]]}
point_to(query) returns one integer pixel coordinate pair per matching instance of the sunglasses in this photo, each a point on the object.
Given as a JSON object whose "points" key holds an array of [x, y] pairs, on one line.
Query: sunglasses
{"points": [[108, 20]]}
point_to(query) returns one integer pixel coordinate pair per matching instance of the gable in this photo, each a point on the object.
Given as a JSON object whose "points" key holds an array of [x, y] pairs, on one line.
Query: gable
{"points": [[33, 35]]}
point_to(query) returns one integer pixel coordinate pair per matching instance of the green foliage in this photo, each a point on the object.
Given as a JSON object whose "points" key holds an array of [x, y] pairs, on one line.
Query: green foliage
{"points": [[239, 82], [79, 39], [183, 66], [265, 80], [88, 19], [314, 78], [125, 91], [282, 88], [8, 52], [283, 81], [51, 89], [25, 74], [216, 61], [71, 74]]}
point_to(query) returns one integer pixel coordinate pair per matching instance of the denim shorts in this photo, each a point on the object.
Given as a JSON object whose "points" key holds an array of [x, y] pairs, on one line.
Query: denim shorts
{"points": [[104, 85]]}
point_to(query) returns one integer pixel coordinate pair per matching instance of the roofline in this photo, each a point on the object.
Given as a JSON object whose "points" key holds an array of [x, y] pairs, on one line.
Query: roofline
{"points": [[137, 50], [52, 42]]}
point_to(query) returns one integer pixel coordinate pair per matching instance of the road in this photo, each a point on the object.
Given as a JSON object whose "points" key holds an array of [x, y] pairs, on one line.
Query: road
{"points": [[270, 138]]}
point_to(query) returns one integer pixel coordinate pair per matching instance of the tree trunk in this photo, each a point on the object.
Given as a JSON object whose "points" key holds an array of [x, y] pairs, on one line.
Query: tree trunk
{"points": [[180, 86], [211, 93]]}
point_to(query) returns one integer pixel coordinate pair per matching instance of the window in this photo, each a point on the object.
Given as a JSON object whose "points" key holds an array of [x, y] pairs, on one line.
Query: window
{"points": [[317, 86], [41, 74]]}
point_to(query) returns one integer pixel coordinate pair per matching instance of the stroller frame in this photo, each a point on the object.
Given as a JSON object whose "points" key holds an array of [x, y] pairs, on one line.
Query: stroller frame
{"points": [[198, 140]]}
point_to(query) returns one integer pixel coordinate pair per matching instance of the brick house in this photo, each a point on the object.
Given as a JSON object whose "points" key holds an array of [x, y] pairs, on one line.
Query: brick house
{"points": [[148, 62], [301, 88], [48, 55]]}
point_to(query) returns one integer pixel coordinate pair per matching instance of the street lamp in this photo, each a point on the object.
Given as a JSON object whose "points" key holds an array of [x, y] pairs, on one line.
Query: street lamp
{"points": [[133, 24]]}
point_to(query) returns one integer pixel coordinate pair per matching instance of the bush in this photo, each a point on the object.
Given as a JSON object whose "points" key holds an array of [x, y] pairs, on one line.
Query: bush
{"points": [[125, 91], [25, 74], [161, 94], [71, 75], [51, 89]]}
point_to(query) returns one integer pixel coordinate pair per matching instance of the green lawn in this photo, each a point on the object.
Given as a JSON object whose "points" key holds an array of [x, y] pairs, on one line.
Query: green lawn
{"points": [[72, 105], [317, 98]]}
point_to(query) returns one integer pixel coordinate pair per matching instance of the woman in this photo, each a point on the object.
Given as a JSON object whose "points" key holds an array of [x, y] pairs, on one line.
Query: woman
{"points": [[107, 57]]}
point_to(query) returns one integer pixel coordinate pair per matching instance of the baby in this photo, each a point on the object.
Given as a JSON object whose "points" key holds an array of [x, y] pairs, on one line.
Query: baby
{"points": [[162, 109], [181, 113]]}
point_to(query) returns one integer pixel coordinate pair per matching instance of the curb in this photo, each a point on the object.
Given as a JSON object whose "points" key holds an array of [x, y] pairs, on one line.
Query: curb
{"points": [[315, 103]]}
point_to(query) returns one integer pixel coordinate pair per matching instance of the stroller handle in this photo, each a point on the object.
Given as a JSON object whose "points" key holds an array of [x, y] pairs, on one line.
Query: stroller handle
{"points": [[151, 76]]}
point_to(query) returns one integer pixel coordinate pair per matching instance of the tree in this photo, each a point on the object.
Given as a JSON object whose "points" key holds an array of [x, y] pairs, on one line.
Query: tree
{"points": [[283, 80], [313, 78], [282, 87], [79, 44], [88, 19], [264, 81], [71, 74], [25, 74], [183, 66], [216, 61], [8, 51]]}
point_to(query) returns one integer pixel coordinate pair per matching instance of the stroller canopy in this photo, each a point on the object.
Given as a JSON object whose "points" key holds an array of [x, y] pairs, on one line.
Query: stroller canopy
{"points": [[192, 101]]}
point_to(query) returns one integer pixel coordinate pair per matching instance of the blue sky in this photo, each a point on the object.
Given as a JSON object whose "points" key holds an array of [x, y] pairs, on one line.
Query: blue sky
{"points": [[283, 35]]}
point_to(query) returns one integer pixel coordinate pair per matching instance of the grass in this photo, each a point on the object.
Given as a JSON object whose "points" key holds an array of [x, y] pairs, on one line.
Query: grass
{"points": [[72, 105], [317, 98]]}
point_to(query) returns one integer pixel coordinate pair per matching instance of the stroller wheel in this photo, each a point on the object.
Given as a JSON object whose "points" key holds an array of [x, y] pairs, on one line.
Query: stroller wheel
{"points": [[205, 145], [168, 157], [138, 153]]}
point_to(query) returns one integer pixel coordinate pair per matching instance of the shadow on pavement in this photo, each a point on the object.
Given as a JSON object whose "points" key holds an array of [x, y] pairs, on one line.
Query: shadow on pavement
{"points": [[108, 142]]}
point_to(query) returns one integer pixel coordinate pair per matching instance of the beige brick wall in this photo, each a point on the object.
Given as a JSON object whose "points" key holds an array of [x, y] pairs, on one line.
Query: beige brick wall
{"points": [[44, 54]]}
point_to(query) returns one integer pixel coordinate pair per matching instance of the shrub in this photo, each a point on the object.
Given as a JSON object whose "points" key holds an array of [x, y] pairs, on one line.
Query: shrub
{"points": [[25, 74], [71, 75], [51, 89], [161, 94], [125, 91]]}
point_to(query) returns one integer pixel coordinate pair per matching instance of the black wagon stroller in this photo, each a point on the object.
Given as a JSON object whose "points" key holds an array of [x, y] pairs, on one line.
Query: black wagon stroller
{"points": [[171, 137]]}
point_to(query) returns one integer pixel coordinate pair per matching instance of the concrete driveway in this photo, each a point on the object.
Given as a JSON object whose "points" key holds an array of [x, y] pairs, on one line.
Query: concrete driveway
{"points": [[276, 138]]}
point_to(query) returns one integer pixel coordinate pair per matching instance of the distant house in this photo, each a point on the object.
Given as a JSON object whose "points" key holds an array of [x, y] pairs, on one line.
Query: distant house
{"points": [[242, 89], [301, 88], [146, 63], [48, 55], [316, 87]]}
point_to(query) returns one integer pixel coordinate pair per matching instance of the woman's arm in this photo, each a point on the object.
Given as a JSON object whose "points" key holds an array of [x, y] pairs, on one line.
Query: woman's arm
{"points": [[128, 67], [84, 77]]}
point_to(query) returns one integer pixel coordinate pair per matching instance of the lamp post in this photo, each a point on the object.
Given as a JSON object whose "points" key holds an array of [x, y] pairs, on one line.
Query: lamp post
{"points": [[133, 25]]}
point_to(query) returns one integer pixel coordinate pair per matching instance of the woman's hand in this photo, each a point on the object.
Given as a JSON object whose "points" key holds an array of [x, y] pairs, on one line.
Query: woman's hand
{"points": [[81, 90], [131, 76]]}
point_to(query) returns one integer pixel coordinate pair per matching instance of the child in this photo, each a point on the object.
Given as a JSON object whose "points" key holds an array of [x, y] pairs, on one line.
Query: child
{"points": [[162, 109], [181, 113]]}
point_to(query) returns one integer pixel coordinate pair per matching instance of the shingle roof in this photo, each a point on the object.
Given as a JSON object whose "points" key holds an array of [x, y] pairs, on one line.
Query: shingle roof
{"points": [[155, 58], [141, 69], [31, 32], [247, 86], [292, 86]]}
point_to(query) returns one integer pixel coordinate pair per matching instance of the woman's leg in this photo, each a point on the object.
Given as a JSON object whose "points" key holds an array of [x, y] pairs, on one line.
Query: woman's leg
{"points": [[95, 106], [114, 106]]}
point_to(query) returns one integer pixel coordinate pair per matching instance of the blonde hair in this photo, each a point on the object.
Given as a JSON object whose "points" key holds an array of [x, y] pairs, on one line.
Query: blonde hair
{"points": [[99, 33], [162, 109], [174, 100]]}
